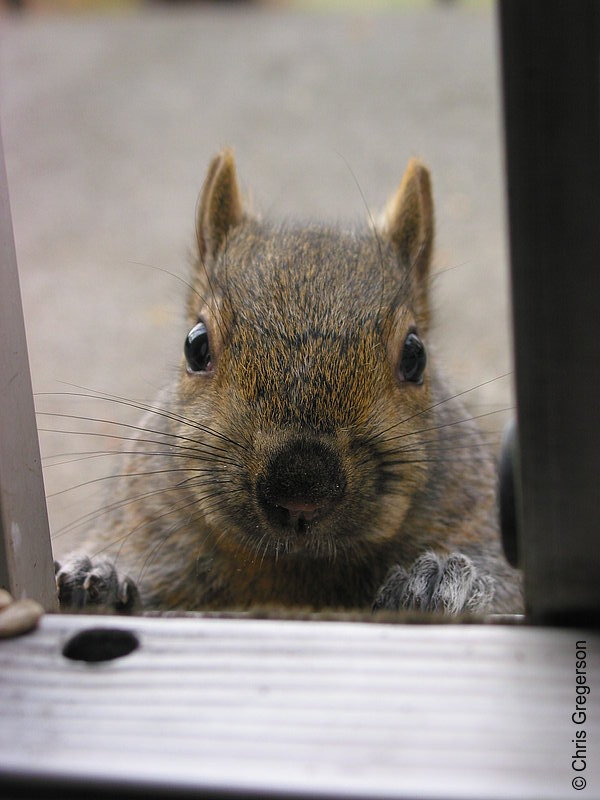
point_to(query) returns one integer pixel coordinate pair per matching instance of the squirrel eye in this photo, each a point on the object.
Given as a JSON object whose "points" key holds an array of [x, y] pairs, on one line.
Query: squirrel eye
{"points": [[196, 349], [413, 361]]}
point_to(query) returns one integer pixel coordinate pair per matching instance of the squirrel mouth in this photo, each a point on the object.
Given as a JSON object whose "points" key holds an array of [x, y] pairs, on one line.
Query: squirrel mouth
{"points": [[298, 514]]}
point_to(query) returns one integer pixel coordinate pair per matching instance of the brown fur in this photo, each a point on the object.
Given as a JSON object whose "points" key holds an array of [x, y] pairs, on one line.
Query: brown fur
{"points": [[306, 328]]}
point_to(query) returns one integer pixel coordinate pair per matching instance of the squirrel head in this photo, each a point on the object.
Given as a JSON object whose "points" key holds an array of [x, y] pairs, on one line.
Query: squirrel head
{"points": [[305, 375]]}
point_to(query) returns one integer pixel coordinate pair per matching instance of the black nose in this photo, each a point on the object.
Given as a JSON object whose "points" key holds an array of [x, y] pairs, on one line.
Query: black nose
{"points": [[302, 483]]}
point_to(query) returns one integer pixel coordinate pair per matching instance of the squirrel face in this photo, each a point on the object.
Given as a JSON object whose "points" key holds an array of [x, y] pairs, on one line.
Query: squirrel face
{"points": [[305, 374]]}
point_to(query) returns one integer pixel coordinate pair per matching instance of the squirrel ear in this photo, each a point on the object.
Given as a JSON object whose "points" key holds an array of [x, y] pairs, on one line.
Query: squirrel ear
{"points": [[220, 205], [408, 225]]}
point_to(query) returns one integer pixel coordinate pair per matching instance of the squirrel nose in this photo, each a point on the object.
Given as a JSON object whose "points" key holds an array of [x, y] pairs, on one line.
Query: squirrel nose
{"points": [[302, 481]]}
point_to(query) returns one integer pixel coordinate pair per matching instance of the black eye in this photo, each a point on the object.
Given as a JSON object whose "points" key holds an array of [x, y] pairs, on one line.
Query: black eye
{"points": [[196, 349], [413, 361]]}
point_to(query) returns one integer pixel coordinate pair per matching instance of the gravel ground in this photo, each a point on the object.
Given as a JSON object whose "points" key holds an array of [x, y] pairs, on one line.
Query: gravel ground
{"points": [[109, 123]]}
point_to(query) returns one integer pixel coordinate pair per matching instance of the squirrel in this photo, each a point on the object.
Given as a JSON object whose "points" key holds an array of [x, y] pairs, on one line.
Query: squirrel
{"points": [[309, 453]]}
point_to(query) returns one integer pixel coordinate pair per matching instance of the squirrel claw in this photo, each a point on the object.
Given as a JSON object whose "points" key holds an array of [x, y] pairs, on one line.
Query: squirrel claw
{"points": [[83, 582], [450, 585]]}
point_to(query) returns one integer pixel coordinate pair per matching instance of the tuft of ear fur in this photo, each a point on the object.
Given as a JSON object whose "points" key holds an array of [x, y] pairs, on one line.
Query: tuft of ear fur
{"points": [[408, 224], [220, 206]]}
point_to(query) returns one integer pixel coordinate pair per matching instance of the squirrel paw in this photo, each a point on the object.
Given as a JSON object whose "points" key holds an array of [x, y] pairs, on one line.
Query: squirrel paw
{"points": [[434, 583], [83, 582]]}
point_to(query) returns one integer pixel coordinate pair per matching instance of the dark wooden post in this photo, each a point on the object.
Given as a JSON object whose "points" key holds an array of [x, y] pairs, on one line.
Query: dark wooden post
{"points": [[551, 78]]}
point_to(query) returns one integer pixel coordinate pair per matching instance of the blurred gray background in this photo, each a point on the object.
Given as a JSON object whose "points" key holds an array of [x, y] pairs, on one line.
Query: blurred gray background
{"points": [[109, 120]]}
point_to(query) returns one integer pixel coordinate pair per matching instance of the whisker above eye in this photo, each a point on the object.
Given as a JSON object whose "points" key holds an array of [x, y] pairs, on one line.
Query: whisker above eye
{"points": [[446, 399]]}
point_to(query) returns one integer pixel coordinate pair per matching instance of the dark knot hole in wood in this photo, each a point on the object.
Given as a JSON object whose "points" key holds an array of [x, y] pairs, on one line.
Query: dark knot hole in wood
{"points": [[100, 644]]}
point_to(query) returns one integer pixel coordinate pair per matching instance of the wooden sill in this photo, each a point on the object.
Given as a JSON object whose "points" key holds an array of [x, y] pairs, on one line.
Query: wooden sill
{"points": [[278, 708]]}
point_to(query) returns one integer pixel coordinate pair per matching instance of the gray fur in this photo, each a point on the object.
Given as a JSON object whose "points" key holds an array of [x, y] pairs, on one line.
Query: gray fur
{"points": [[83, 582], [451, 585]]}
